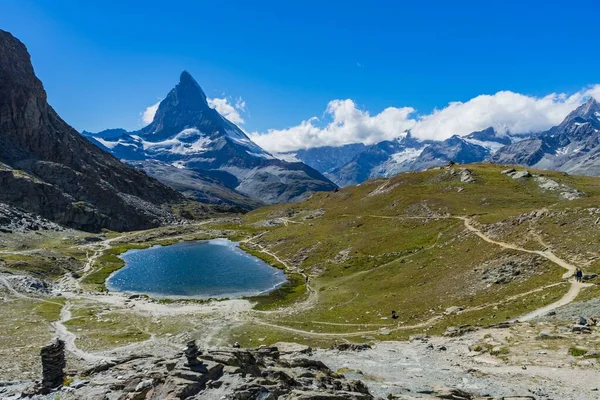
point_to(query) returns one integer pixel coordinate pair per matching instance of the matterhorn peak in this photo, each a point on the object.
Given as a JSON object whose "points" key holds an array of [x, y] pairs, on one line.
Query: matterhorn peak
{"points": [[189, 88]]}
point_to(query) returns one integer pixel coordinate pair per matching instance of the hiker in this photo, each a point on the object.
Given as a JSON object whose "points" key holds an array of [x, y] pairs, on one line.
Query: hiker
{"points": [[579, 275], [394, 315]]}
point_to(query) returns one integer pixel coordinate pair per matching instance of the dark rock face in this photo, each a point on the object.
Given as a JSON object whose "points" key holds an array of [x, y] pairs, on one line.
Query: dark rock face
{"points": [[189, 135], [48, 169], [14, 220], [53, 365], [573, 146], [489, 135]]}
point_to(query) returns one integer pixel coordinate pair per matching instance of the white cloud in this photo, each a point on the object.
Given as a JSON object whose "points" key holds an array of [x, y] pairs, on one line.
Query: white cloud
{"points": [[505, 111], [230, 111], [349, 125], [148, 114]]}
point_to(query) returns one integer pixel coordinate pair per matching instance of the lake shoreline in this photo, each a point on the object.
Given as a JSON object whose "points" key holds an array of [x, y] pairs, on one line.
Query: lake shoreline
{"points": [[240, 258]]}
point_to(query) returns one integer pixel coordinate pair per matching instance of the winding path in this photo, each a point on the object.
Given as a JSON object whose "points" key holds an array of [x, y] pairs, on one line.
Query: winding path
{"points": [[69, 337], [570, 296], [547, 254], [60, 329], [313, 294]]}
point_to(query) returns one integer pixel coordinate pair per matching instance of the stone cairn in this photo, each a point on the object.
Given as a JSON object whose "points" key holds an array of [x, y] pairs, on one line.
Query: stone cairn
{"points": [[53, 365], [191, 354]]}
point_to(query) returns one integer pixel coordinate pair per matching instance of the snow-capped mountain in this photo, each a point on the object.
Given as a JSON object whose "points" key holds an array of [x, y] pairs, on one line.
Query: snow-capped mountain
{"points": [[573, 146], [406, 153], [324, 159], [382, 159], [455, 148], [188, 135]]}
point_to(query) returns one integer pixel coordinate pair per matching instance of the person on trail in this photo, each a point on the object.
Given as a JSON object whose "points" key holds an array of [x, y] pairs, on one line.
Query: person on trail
{"points": [[579, 275]]}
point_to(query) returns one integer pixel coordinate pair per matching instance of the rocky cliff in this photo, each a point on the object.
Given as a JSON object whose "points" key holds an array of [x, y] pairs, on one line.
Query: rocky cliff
{"points": [[47, 168]]}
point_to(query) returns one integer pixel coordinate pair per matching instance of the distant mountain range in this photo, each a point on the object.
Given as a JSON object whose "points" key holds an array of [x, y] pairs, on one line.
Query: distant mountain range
{"points": [[192, 148], [47, 169], [573, 146], [406, 153]]}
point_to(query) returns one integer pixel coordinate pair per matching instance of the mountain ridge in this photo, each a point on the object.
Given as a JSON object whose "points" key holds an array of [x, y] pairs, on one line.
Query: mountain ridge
{"points": [[573, 146], [48, 169]]}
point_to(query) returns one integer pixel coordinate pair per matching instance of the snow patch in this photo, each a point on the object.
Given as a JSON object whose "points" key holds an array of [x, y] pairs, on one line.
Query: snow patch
{"points": [[407, 155], [289, 157], [491, 146], [188, 141]]}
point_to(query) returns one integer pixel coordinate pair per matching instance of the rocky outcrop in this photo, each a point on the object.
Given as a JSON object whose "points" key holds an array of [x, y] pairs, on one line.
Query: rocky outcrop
{"points": [[14, 220], [48, 169], [217, 373]]}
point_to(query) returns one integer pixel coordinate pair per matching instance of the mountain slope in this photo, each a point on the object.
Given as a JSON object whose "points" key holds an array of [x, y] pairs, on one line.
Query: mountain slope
{"points": [[48, 169], [421, 243], [385, 158], [324, 159], [455, 148], [573, 146], [190, 135]]}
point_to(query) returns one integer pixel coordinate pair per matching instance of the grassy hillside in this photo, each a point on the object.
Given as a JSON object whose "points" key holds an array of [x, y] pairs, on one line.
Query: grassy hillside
{"points": [[399, 244]]}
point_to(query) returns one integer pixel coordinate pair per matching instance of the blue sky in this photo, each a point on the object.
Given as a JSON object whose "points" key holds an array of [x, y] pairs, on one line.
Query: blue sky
{"points": [[103, 63]]}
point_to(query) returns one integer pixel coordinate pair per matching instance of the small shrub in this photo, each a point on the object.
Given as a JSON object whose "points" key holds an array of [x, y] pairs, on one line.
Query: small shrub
{"points": [[577, 351]]}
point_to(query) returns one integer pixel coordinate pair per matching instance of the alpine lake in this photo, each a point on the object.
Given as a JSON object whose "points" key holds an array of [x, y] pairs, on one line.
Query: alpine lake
{"points": [[215, 268]]}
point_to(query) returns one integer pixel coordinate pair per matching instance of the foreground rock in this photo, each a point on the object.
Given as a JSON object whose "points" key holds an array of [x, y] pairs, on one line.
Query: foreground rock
{"points": [[53, 364], [217, 373]]}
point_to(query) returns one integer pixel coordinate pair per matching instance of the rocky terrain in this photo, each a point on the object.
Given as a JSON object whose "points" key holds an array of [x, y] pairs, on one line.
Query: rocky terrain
{"points": [[14, 220], [475, 262], [214, 373], [48, 169], [469, 366]]}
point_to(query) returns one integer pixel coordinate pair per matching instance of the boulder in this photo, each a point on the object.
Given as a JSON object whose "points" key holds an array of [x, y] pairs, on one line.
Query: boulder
{"points": [[350, 347], [453, 310], [521, 174], [453, 394], [581, 329], [588, 277], [454, 331], [290, 348]]}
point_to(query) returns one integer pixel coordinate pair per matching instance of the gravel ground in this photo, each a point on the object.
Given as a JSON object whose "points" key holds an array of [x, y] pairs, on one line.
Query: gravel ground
{"points": [[414, 369], [572, 312]]}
